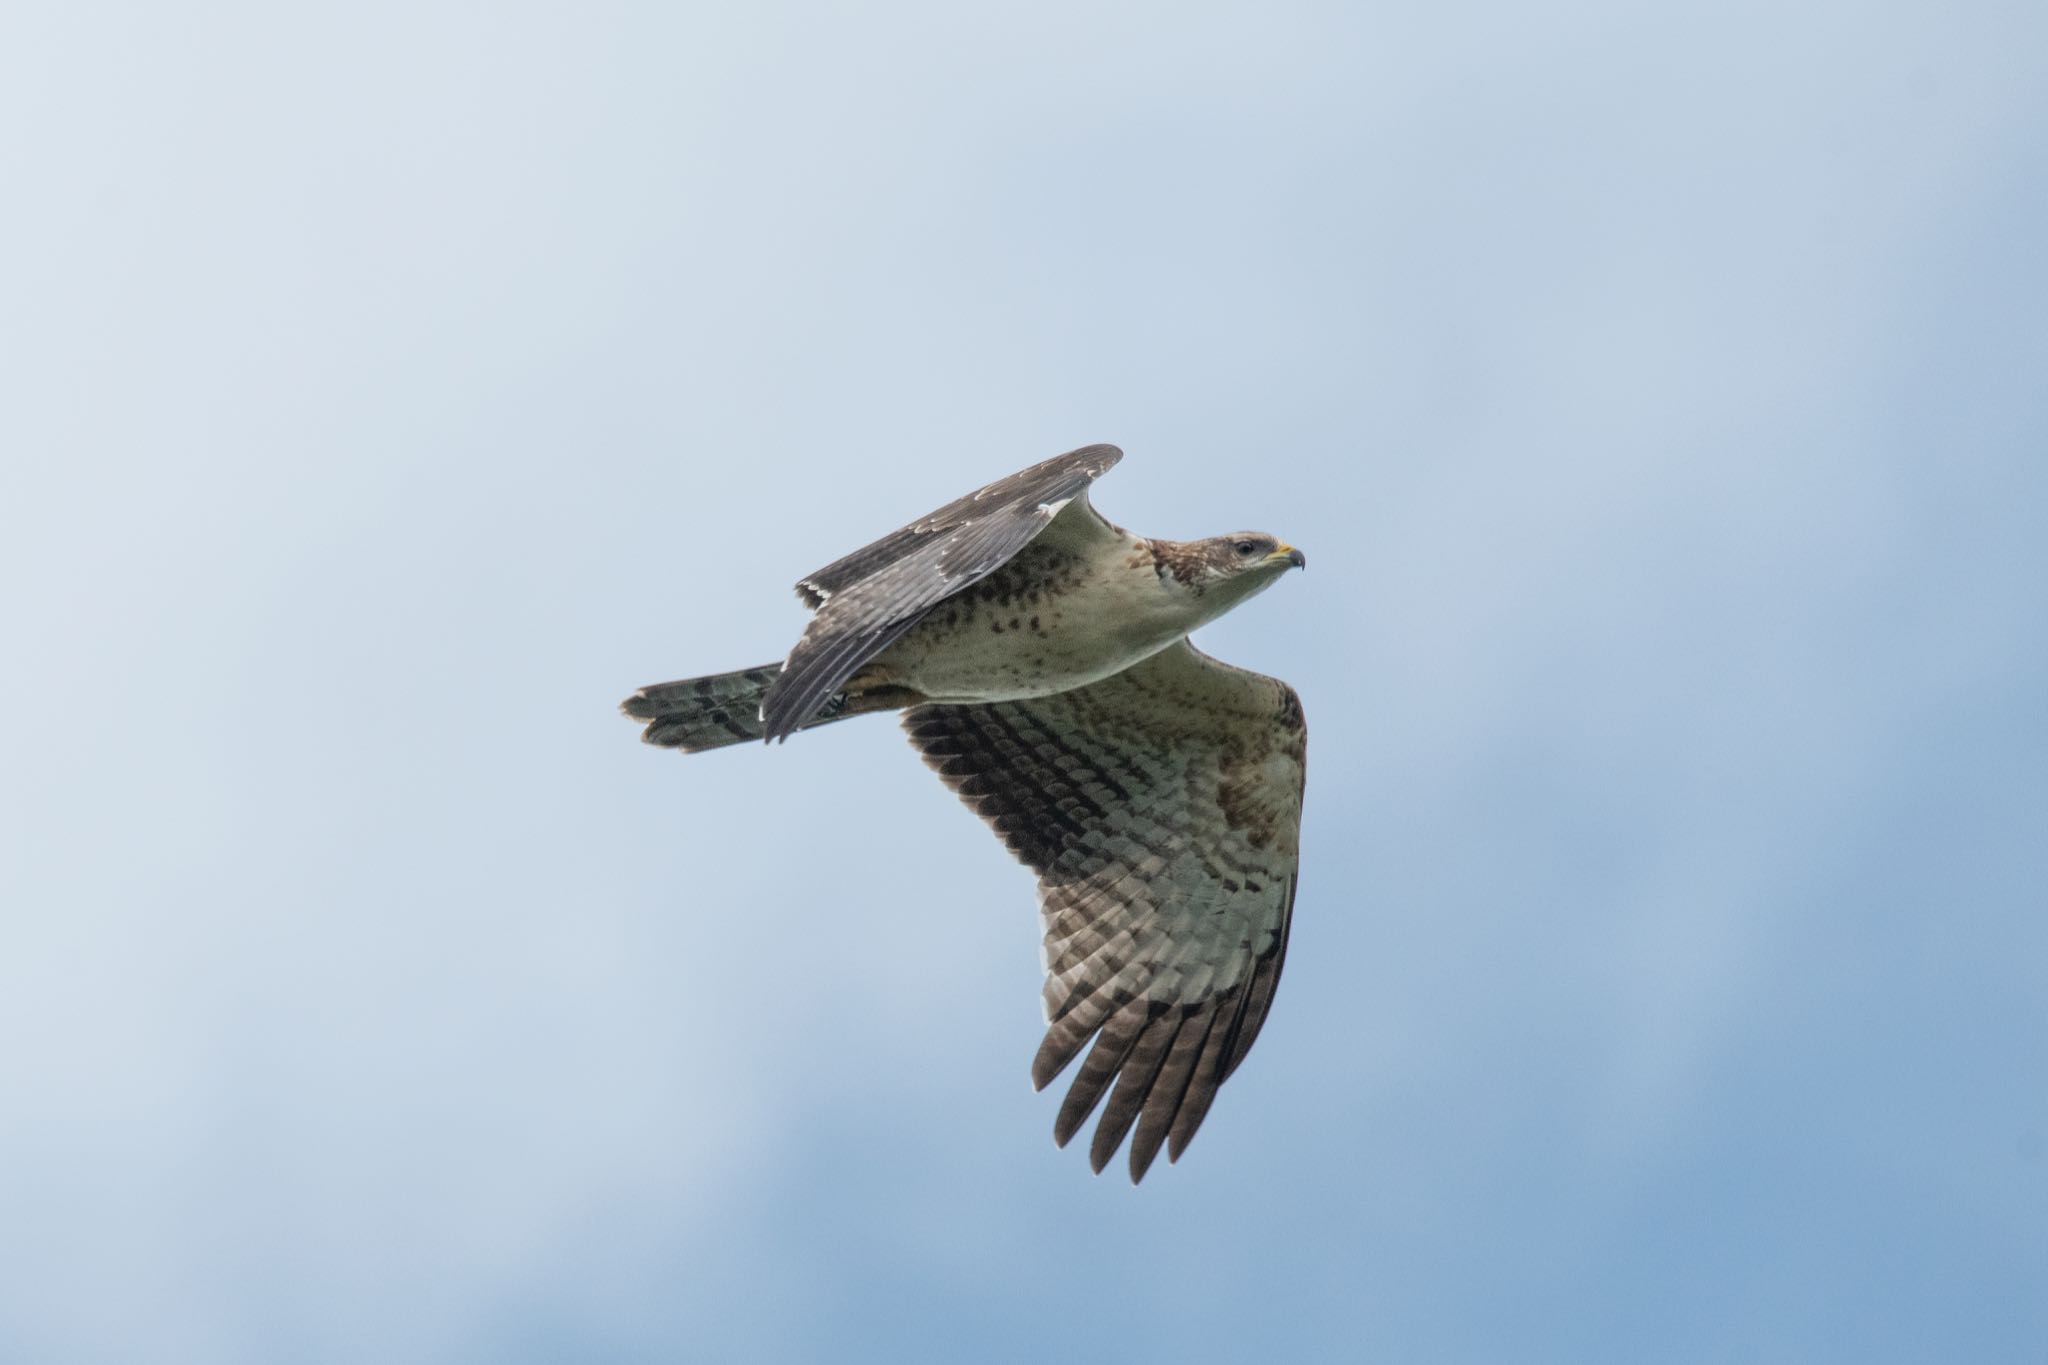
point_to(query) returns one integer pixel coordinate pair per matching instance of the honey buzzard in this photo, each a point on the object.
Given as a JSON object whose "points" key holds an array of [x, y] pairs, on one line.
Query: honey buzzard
{"points": [[1040, 658]]}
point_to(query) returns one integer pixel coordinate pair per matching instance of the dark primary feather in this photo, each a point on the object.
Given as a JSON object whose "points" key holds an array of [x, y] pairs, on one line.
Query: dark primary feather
{"points": [[1047, 481], [871, 598], [1160, 809]]}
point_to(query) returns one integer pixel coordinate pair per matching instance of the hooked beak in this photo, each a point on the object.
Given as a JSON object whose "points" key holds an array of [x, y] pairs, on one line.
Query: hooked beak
{"points": [[1295, 558]]}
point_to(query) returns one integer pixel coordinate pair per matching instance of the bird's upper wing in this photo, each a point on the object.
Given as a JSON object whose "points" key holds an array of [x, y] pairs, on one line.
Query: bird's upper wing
{"points": [[1161, 810], [867, 600]]}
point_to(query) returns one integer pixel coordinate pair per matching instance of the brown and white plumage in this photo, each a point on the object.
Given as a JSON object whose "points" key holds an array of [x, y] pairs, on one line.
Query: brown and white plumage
{"points": [[871, 598], [1160, 809], [1040, 657]]}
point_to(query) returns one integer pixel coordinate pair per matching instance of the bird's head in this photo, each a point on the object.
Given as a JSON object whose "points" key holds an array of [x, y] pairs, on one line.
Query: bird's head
{"points": [[1231, 567]]}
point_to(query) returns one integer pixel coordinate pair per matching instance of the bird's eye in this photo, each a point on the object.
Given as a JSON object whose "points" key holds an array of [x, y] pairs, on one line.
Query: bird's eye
{"points": [[1245, 547]]}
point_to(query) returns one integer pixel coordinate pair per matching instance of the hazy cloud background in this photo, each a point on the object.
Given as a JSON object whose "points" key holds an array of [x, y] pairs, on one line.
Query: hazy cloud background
{"points": [[1658, 393]]}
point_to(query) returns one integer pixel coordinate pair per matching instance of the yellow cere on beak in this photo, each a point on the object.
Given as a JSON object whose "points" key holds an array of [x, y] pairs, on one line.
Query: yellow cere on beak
{"points": [[1292, 556]]}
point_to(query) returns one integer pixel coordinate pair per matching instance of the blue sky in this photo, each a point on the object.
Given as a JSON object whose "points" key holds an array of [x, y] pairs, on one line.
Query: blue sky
{"points": [[1658, 394]]}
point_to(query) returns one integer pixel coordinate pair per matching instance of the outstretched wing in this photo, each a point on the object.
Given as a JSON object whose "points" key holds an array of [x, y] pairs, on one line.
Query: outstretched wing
{"points": [[1161, 810], [867, 600]]}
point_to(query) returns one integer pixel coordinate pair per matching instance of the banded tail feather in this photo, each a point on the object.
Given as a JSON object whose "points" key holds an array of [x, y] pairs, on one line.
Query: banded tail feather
{"points": [[696, 714], [703, 713]]}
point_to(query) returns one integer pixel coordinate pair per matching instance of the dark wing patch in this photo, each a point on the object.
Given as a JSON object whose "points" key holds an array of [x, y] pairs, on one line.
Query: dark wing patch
{"points": [[1161, 810], [868, 600], [1047, 481]]}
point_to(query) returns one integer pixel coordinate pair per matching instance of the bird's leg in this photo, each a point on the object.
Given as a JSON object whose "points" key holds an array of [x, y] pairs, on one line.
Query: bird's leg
{"points": [[871, 690]]}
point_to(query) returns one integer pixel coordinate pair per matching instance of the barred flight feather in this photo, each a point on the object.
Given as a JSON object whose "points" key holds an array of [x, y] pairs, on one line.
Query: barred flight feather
{"points": [[871, 599], [1165, 898]]}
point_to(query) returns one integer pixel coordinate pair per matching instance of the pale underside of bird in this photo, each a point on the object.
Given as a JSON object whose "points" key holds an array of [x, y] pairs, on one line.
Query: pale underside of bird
{"points": [[1040, 658]]}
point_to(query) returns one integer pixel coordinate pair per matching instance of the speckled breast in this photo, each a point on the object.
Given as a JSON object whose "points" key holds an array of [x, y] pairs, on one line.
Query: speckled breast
{"points": [[1046, 622]]}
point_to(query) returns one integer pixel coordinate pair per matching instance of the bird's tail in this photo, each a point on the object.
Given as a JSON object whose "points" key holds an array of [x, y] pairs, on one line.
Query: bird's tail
{"points": [[725, 708]]}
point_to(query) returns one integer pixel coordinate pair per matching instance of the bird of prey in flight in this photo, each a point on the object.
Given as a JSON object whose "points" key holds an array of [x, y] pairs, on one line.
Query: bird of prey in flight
{"points": [[1040, 658]]}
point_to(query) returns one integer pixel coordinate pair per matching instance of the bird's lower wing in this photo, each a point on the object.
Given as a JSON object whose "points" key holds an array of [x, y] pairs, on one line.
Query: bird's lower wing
{"points": [[1161, 811], [871, 598]]}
